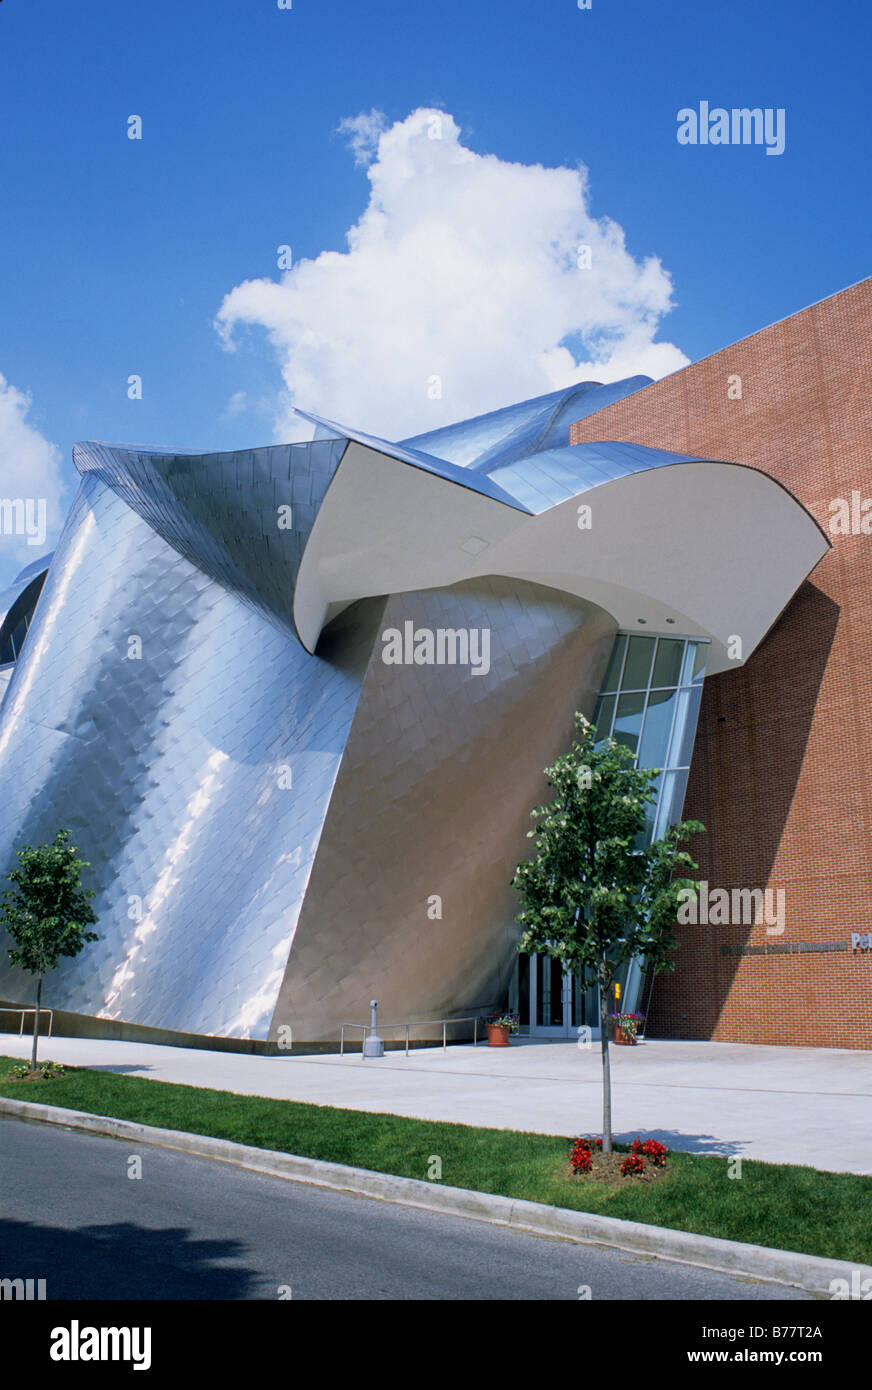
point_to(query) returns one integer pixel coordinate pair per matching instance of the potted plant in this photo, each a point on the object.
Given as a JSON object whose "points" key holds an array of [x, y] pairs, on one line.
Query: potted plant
{"points": [[626, 1027], [499, 1026]]}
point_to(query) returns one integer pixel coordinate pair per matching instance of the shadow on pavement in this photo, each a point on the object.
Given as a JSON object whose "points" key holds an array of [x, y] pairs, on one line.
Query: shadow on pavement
{"points": [[689, 1143], [123, 1260]]}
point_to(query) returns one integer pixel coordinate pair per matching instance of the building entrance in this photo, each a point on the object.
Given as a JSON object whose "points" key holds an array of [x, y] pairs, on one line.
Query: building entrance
{"points": [[551, 1002]]}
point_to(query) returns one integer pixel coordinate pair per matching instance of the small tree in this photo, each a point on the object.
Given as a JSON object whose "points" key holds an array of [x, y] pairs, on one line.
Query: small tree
{"points": [[47, 912], [595, 895]]}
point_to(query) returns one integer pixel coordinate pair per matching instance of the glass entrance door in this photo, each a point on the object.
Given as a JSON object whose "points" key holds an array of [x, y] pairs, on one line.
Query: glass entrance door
{"points": [[551, 1002]]}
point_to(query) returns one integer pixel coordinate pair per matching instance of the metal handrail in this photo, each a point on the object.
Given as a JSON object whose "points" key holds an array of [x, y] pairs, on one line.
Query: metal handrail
{"points": [[364, 1026], [23, 1011], [474, 1019]]}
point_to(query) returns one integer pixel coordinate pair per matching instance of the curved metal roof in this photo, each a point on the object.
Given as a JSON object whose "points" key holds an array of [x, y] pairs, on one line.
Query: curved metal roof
{"points": [[717, 548], [517, 431]]}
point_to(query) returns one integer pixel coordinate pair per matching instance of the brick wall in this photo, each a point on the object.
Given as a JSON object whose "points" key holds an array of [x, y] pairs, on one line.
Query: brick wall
{"points": [[782, 768]]}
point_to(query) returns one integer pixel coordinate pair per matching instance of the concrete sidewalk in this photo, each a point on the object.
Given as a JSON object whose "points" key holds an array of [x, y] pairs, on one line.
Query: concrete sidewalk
{"points": [[770, 1103]]}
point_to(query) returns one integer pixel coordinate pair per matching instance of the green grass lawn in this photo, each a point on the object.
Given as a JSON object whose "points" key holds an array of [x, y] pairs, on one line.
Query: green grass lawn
{"points": [[785, 1206]]}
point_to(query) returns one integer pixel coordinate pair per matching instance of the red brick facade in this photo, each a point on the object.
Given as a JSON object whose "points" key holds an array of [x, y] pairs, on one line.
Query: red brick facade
{"points": [[782, 768]]}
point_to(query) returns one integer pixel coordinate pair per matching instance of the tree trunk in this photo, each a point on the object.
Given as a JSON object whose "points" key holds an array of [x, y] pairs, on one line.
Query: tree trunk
{"points": [[607, 1078], [36, 1023]]}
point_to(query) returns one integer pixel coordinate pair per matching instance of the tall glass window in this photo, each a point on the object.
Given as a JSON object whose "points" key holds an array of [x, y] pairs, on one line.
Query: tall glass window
{"points": [[650, 703]]}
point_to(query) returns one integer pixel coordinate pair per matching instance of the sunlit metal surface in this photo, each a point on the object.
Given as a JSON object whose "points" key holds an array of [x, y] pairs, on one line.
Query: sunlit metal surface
{"points": [[172, 768], [519, 431], [243, 518]]}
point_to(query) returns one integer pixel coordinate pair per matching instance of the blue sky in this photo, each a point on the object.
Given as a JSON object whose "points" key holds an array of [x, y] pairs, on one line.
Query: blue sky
{"points": [[117, 255]]}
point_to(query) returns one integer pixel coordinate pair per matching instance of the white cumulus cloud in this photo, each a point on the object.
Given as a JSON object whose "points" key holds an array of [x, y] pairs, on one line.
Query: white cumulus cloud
{"points": [[462, 290], [30, 472]]}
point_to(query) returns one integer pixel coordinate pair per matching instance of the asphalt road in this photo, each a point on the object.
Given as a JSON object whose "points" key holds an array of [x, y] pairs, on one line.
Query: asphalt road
{"points": [[193, 1228]]}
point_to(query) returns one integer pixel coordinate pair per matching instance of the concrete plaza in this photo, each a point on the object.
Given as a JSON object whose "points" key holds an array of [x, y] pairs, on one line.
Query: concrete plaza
{"points": [[770, 1103]]}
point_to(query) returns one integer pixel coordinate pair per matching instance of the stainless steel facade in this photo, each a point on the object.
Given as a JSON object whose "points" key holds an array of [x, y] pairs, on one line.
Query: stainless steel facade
{"points": [[160, 718], [280, 823], [409, 900]]}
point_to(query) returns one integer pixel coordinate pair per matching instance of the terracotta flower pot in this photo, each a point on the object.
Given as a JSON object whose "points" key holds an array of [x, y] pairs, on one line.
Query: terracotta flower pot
{"points": [[625, 1039], [496, 1036]]}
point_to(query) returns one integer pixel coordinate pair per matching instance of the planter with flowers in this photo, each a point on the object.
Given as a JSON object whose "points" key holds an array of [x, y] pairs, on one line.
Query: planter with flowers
{"points": [[626, 1027], [498, 1027]]}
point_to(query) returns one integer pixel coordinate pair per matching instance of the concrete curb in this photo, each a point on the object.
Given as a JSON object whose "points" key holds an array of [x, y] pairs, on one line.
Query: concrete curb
{"points": [[808, 1272]]}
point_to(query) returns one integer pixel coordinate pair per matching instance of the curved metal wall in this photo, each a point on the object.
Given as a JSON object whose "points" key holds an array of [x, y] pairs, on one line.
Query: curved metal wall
{"points": [[222, 511], [168, 769], [433, 801]]}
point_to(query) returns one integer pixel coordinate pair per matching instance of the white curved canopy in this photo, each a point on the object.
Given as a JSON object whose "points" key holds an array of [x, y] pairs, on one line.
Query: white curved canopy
{"points": [[709, 549]]}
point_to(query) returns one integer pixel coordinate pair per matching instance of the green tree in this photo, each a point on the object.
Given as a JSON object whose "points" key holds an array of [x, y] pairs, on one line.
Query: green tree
{"points": [[47, 911], [596, 894]]}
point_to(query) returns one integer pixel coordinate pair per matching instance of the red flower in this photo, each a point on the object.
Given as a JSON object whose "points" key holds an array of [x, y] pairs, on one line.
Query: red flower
{"points": [[652, 1149], [633, 1164], [580, 1157], [581, 1154]]}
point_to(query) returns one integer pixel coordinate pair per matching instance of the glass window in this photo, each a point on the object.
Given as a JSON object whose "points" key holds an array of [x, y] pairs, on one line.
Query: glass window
{"points": [[15, 625], [19, 632], [650, 814], [667, 663], [602, 717], [585, 1000], [694, 663], [549, 996], [628, 721], [640, 651], [656, 721], [522, 1003], [685, 727], [654, 748], [613, 671], [671, 801]]}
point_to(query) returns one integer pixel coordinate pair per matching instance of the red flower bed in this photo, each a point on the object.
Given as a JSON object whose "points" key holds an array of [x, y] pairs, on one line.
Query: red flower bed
{"points": [[582, 1153]]}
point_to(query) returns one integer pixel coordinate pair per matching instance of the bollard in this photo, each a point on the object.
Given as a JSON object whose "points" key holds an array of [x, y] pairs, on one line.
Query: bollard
{"points": [[373, 1045]]}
